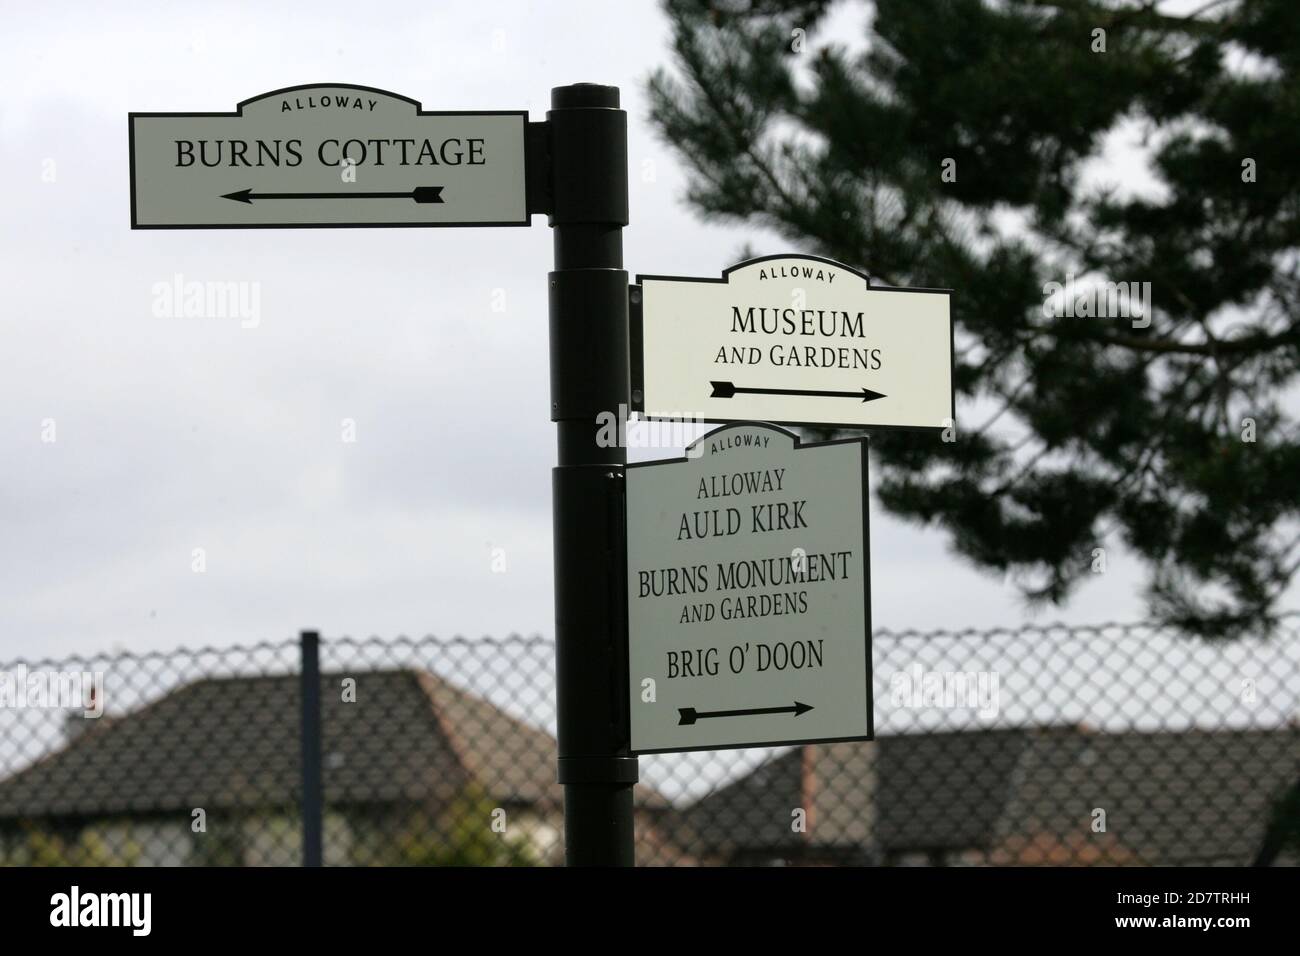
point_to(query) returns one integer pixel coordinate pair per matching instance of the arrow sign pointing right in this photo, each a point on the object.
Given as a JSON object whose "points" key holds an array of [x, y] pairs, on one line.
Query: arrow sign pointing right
{"points": [[797, 328], [421, 194], [728, 389], [689, 715]]}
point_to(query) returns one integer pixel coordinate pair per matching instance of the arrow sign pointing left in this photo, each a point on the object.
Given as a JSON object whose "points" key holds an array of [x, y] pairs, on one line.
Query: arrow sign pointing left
{"points": [[689, 715], [283, 159], [419, 194]]}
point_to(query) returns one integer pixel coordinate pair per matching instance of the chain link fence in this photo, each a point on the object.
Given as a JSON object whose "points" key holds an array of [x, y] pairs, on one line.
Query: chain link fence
{"points": [[1115, 744]]}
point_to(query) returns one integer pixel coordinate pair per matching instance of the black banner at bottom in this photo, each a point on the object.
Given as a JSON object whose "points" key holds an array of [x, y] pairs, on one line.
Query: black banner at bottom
{"points": [[486, 906]]}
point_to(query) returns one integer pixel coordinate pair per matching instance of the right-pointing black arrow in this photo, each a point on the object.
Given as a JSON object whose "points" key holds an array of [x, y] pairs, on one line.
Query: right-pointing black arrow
{"points": [[690, 715], [728, 389]]}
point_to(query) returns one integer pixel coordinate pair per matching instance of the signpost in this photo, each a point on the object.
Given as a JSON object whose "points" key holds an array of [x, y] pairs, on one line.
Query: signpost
{"points": [[794, 340], [327, 156], [748, 592], [732, 587]]}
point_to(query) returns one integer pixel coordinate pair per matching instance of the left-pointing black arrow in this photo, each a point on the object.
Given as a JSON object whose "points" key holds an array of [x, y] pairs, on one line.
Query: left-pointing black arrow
{"points": [[690, 715], [419, 194], [729, 389]]}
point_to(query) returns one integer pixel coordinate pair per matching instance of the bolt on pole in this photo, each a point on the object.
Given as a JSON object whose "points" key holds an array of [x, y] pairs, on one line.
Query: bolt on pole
{"points": [[590, 375]]}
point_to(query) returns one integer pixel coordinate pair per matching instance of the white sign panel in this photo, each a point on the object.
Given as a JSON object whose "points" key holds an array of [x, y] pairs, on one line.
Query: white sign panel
{"points": [[795, 340], [748, 592], [327, 156]]}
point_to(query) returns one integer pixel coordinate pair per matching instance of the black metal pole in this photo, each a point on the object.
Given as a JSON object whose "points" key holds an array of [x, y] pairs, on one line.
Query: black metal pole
{"points": [[312, 797], [587, 143]]}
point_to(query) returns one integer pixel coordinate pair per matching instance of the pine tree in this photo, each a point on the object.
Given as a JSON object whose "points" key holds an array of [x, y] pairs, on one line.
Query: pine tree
{"points": [[957, 148]]}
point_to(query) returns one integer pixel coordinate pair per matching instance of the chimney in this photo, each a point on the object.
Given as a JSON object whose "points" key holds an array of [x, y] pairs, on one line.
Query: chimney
{"points": [[76, 723], [808, 787]]}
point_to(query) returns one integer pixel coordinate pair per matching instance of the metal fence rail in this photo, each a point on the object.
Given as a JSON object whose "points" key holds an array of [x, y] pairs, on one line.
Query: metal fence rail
{"points": [[1116, 744]]}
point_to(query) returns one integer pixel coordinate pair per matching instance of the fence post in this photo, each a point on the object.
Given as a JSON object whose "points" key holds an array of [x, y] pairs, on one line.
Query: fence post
{"points": [[312, 795]]}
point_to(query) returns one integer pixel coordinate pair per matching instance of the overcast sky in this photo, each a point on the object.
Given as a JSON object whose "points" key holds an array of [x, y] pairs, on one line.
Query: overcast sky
{"points": [[177, 433]]}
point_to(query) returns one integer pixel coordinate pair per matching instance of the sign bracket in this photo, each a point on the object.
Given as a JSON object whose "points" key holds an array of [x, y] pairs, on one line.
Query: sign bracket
{"points": [[540, 199], [636, 358]]}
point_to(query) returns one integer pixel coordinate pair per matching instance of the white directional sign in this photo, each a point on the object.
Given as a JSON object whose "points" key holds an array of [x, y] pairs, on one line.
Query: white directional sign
{"points": [[327, 155], [795, 340], [748, 592]]}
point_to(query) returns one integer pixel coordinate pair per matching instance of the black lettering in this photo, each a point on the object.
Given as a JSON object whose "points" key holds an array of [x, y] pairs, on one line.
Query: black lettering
{"points": [[457, 154], [264, 151], [738, 324], [203, 153]]}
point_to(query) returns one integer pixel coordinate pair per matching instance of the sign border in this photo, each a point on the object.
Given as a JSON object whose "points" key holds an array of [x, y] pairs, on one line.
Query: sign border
{"points": [[861, 441], [239, 111], [638, 339]]}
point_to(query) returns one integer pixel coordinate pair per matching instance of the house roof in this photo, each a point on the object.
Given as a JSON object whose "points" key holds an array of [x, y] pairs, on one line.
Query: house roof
{"points": [[915, 791], [832, 783], [1193, 797], [1019, 795], [226, 743], [947, 790]]}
